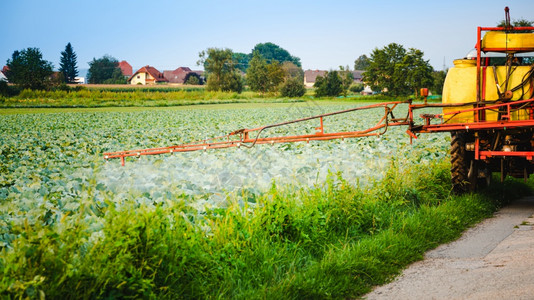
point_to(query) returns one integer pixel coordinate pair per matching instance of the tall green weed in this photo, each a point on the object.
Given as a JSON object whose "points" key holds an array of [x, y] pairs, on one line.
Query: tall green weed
{"points": [[336, 240]]}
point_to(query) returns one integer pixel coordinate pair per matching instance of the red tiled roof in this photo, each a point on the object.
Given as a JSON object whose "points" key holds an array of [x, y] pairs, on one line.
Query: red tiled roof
{"points": [[178, 75], [157, 75], [126, 68]]}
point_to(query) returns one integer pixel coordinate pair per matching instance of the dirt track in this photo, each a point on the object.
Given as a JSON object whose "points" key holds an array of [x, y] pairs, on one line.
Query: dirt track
{"points": [[494, 260]]}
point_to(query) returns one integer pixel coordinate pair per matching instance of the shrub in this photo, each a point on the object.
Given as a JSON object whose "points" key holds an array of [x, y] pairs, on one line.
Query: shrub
{"points": [[330, 85], [193, 79], [356, 88], [293, 87], [6, 90]]}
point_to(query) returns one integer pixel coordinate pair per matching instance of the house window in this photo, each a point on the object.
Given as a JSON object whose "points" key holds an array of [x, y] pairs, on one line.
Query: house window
{"points": [[138, 76]]}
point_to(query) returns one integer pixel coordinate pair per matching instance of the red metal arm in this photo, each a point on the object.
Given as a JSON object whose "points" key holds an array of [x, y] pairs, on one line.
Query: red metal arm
{"points": [[242, 137]]}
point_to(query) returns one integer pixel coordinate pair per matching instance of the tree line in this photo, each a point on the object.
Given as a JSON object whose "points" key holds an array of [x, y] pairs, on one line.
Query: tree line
{"points": [[267, 69], [279, 72], [28, 70]]}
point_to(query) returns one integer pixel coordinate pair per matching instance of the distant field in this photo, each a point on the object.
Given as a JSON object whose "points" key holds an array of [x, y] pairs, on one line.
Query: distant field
{"points": [[150, 96], [158, 86], [214, 106]]}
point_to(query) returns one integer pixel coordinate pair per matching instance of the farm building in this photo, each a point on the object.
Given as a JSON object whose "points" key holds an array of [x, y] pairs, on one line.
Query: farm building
{"points": [[310, 76], [80, 80], [357, 76], [179, 75], [3, 73], [147, 75], [126, 68]]}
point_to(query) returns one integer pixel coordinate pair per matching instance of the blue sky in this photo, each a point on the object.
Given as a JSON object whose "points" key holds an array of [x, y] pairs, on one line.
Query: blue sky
{"points": [[169, 34]]}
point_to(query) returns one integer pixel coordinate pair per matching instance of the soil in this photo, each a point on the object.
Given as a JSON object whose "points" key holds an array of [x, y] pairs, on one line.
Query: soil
{"points": [[494, 260]]}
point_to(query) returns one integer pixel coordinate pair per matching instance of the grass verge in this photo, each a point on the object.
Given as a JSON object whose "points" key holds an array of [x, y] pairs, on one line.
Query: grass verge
{"points": [[331, 241]]}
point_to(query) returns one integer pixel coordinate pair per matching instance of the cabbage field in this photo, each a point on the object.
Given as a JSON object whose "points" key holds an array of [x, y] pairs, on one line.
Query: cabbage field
{"points": [[51, 161], [53, 173]]}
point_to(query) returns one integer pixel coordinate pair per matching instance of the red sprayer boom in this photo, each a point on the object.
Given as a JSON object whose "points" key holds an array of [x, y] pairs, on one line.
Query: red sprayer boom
{"points": [[251, 137]]}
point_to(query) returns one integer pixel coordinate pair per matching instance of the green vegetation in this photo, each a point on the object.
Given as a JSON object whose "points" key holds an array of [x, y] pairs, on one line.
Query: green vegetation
{"points": [[329, 86], [221, 71], [333, 241], [67, 64], [361, 63], [438, 81], [164, 96], [263, 77], [292, 87], [270, 52], [517, 23], [356, 87], [193, 79], [28, 70], [105, 70], [106, 97], [273, 77], [74, 226], [397, 71]]}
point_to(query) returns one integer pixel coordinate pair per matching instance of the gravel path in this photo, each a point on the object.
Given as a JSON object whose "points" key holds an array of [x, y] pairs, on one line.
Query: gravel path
{"points": [[494, 260]]}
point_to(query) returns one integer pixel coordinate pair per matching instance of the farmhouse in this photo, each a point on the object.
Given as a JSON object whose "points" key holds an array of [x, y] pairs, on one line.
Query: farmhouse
{"points": [[3, 76], [147, 75], [179, 75]]}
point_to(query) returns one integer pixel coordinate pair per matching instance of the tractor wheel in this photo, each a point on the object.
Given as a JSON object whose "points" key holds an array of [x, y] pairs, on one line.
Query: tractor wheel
{"points": [[460, 164]]}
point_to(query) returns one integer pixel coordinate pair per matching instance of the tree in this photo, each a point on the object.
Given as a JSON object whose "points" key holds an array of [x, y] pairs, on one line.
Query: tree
{"points": [[438, 81], [220, 69], [275, 75], [292, 70], [380, 73], [361, 63], [263, 77], [193, 79], [293, 87], [516, 23], [29, 70], [331, 85], [346, 78], [396, 71], [417, 72], [241, 60], [67, 64], [257, 73], [105, 70], [271, 52], [356, 87]]}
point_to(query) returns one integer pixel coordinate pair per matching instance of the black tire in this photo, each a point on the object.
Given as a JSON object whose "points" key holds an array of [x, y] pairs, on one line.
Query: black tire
{"points": [[460, 164]]}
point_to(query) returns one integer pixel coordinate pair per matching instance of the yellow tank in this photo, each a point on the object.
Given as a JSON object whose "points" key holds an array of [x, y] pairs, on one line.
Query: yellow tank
{"points": [[503, 40], [460, 87]]}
